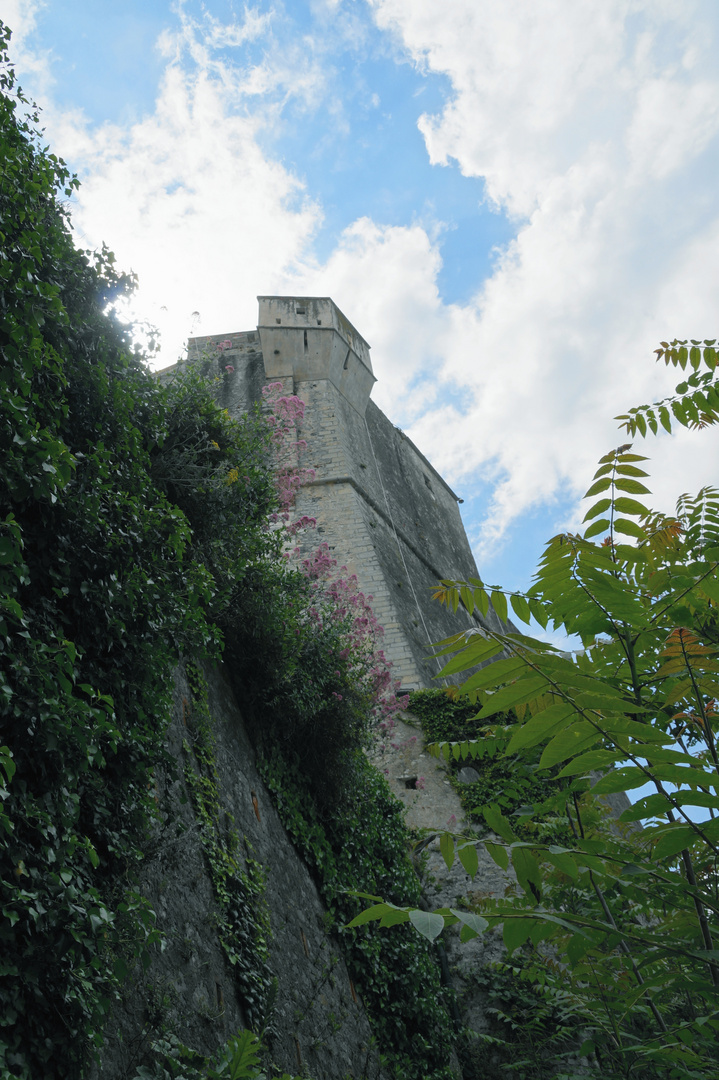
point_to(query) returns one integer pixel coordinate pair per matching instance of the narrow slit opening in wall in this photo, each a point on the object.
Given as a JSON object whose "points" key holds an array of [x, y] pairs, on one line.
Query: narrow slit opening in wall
{"points": [[347, 360], [428, 482], [305, 341], [300, 311]]}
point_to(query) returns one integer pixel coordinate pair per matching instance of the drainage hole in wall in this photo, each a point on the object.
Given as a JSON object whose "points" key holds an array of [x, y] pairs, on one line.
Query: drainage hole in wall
{"points": [[410, 782]]}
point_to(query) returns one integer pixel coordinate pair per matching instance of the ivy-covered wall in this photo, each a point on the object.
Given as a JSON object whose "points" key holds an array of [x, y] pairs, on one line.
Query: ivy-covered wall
{"points": [[237, 909]]}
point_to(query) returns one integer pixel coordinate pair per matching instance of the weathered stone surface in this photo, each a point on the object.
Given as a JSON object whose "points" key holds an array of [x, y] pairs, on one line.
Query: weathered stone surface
{"points": [[190, 989], [468, 775], [416, 778], [431, 808]]}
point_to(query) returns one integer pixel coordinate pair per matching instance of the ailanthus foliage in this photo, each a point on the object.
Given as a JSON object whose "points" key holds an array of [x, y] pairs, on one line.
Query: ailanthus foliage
{"points": [[632, 913]]}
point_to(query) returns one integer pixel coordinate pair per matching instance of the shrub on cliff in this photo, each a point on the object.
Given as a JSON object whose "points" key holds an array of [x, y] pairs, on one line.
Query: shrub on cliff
{"points": [[106, 573]]}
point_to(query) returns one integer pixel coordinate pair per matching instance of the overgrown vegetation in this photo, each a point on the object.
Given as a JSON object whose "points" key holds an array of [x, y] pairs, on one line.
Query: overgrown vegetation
{"points": [[511, 781], [100, 591], [366, 848], [238, 880], [631, 913], [239, 1060], [135, 528]]}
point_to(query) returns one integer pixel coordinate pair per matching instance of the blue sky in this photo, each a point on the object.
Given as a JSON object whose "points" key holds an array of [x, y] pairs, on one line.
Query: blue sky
{"points": [[513, 203]]}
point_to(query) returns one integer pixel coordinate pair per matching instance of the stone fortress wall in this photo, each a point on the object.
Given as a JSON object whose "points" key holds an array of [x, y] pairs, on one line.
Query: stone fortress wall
{"points": [[387, 515], [382, 508]]}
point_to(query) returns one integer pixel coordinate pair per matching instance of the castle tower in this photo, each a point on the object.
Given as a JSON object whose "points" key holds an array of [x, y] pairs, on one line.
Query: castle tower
{"points": [[383, 509]]}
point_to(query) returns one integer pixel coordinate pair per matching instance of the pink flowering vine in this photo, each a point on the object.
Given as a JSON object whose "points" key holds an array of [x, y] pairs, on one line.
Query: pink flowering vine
{"points": [[336, 596]]}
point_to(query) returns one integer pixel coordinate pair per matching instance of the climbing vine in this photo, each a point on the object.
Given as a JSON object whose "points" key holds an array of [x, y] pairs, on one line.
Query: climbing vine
{"points": [[366, 848], [239, 1059], [511, 783], [238, 880], [107, 574]]}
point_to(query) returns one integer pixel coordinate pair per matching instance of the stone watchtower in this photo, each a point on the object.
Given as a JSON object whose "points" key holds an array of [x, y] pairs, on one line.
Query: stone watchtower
{"points": [[382, 508]]}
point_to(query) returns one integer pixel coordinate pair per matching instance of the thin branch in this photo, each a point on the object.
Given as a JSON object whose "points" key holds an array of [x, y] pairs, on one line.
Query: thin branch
{"points": [[623, 944]]}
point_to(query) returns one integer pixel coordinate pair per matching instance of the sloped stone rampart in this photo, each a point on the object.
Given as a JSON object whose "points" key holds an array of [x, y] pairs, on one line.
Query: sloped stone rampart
{"points": [[189, 989]]}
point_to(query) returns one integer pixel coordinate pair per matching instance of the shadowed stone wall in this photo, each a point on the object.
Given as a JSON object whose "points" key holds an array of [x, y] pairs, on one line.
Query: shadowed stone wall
{"points": [[190, 989]]}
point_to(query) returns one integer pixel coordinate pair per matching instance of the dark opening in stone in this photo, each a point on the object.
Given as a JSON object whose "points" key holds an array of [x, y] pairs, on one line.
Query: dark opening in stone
{"points": [[410, 782]]}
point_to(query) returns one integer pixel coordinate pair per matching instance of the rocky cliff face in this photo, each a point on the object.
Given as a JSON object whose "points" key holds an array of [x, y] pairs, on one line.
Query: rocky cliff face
{"points": [[317, 1026]]}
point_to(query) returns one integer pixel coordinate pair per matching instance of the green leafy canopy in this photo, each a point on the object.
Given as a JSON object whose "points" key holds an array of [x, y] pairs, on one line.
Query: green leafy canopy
{"points": [[635, 710]]}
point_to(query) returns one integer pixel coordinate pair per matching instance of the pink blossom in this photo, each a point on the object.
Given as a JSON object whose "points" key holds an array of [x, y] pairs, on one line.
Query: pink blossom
{"points": [[229, 368], [337, 599]]}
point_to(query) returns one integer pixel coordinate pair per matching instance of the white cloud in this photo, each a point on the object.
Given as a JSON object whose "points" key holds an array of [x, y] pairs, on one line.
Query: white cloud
{"points": [[594, 125], [185, 196], [21, 16]]}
